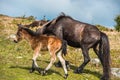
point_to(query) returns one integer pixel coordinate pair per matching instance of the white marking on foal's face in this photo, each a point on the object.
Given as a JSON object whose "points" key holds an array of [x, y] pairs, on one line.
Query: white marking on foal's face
{"points": [[13, 36], [18, 36], [15, 39]]}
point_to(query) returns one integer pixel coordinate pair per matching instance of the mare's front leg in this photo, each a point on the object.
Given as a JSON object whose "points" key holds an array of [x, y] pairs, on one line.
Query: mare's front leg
{"points": [[86, 60], [34, 63]]}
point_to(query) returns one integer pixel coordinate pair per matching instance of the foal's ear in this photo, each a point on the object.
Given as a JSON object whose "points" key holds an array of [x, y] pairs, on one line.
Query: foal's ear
{"points": [[19, 26]]}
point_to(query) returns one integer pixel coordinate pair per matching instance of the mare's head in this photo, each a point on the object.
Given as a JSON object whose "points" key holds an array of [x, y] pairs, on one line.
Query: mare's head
{"points": [[36, 23], [42, 22], [19, 34]]}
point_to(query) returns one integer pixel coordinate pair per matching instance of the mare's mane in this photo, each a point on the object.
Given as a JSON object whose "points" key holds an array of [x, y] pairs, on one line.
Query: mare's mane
{"points": [[62, 15]]}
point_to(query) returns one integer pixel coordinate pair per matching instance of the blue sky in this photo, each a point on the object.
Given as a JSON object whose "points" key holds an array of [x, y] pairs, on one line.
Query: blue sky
{"points": [[100, 12]]}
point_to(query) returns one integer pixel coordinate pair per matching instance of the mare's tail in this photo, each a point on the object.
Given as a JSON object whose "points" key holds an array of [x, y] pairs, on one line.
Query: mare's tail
{"points": [[105, 48]]}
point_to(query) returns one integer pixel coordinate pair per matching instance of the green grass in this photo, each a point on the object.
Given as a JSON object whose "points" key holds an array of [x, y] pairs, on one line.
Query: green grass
{"points": [[14, 68]]}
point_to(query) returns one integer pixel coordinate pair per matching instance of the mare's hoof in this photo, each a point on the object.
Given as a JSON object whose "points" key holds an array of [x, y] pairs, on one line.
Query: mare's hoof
{"points": [[104, 78], [78, 71], [32, 70], [60, 65], [43, 73], [65, 76], [68, 67], [39, 70]]}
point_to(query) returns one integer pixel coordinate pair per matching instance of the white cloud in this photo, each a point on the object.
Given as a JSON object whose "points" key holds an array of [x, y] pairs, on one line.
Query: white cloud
{"points": [[91, 11]]}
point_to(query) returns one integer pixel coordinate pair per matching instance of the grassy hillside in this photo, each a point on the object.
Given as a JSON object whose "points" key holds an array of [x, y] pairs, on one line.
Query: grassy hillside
{"points": [[15, 59]]}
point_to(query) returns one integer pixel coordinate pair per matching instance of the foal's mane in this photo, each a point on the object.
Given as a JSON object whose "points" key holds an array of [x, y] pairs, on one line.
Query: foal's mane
{"points": [[30, 31]]}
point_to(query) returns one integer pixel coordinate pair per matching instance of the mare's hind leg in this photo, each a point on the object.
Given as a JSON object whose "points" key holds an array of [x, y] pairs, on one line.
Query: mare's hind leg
{"points": [[86, 60], [34, 63], [59, 55], [98, 53]]}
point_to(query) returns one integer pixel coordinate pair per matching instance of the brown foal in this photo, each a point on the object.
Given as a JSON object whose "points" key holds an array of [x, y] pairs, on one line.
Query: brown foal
{"points": [[37, 41]]}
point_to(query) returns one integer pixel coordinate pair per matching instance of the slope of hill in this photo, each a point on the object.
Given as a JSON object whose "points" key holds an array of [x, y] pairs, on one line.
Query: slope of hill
{"points": [[15, 59], [8, 24]]}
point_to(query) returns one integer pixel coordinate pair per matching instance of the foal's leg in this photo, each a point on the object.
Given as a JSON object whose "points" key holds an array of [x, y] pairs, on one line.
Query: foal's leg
{"points": [[59, 55], [34, 63], [58, 64], [53, 58], [86, 60]]}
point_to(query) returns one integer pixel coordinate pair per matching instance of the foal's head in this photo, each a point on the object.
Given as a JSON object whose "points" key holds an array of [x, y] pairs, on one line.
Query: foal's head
{"points": [[20, 33]]}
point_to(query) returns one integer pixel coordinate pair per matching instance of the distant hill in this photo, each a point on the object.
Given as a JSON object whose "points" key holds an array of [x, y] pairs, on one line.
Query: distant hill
{"points": [[8, 24], [103, 28]]}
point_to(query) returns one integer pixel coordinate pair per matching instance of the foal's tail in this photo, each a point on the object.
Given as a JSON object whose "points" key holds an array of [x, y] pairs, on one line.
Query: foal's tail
{"points": [[64, 47], [105, 49]]}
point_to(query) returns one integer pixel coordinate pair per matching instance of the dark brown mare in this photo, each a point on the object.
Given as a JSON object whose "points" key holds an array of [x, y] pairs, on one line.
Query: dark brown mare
{"points": [[81, 35], [36, 23], [38, 41]]}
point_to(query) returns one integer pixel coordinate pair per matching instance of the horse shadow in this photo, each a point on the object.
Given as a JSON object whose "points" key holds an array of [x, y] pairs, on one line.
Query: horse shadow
{"points": [[87, 71], [49, 72], [21, 67]]}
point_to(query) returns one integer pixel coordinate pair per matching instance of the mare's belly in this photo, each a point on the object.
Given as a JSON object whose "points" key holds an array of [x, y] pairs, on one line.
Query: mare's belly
{"points": [[73, 44]]}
